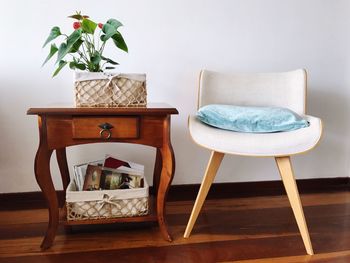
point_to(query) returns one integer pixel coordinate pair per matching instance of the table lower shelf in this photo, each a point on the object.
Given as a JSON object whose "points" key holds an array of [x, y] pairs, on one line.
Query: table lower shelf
{"points": [[152, 216]]}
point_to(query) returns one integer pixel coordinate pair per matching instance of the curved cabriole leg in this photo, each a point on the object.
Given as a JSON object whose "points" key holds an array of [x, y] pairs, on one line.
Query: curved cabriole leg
{"points": [[286, 172], [157, 171], [167, 174], [43, 177], [62, 164]]}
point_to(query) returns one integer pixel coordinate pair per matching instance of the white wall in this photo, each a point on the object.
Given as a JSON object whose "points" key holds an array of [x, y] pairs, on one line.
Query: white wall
{"points": [[171, 41]]}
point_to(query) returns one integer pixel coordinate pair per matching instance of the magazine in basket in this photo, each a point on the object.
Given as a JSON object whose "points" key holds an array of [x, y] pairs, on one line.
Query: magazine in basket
{"points": [[83, 205]]}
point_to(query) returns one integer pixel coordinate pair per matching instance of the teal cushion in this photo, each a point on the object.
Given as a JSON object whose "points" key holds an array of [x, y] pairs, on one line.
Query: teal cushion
{"points": [[251, 119]]}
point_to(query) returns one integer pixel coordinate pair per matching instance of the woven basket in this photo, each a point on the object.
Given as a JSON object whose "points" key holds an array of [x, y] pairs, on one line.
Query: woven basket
{"points": [[84, 205], [95, 89]]}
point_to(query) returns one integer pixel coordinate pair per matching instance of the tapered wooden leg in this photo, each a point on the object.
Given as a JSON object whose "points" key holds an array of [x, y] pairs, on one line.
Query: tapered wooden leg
{"points": [[286, 172], [212, 168]]}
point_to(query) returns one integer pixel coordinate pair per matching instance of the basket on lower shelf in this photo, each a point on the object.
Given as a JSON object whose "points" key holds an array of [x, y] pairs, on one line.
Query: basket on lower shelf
{"points": [[84, 205]]}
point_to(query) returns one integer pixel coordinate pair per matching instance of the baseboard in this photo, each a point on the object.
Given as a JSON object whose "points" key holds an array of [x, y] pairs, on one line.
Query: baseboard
{"points": [[31, 200], [264, 188]]}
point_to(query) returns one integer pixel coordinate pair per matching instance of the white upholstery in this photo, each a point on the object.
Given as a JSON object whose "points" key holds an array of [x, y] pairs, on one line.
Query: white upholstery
{"points": [[286, 89], [255, 144]]}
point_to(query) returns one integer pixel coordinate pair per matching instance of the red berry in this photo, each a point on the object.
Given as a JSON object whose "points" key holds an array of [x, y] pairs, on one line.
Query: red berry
{"points": [[100, 25], [76, 25]]}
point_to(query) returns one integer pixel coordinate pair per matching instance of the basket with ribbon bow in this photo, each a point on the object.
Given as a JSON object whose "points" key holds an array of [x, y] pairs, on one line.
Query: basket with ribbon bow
{"points": [[110, 90], [83, 205]]}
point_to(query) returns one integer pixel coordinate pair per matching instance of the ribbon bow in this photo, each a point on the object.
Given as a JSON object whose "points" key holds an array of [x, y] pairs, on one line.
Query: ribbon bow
{"points": [[106, 199]]}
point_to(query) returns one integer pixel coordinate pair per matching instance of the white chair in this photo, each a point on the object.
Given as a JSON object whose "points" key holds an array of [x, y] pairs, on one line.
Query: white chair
{"points": [[287, 89]]}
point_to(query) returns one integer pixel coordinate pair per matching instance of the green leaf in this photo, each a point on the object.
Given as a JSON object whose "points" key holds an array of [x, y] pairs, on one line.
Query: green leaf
{"points": [[119, 41], [53, 51], [54, 33], [109, 31], [110, 67], [78, 16], [110, 28], [109, 61], [88, 26], [74, 37], [74, 65], [60, 66], [66, 47], [94, 68], [81, 66], [96, 58], [76, 46], [114, 22], [62, 51]]}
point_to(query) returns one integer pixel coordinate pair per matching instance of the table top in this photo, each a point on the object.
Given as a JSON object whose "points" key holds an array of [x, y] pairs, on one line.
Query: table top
{"points": [[150, 109]]}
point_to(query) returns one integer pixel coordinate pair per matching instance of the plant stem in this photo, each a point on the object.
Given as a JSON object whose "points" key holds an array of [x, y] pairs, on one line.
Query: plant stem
{"points": [[83, 57], [102, 48], [84, 52], [91, 44], [86, 40], [93, 40], [99, 40]]}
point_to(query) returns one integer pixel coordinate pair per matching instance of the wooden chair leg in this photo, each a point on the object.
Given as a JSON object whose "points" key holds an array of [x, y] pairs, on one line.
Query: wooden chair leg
{"points": [[213, 166], [286, 172]]}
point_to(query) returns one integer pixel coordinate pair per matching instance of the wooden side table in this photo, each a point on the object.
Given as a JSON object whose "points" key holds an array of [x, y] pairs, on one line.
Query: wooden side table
{"points": [[63, 127]]}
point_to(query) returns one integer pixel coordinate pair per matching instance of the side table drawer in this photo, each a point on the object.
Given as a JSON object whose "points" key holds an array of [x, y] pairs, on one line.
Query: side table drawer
{"points": [[105, 127]]}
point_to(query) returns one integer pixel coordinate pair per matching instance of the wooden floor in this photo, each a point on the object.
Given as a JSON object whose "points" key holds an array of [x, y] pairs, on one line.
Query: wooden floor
{"points": [[255, 229]]}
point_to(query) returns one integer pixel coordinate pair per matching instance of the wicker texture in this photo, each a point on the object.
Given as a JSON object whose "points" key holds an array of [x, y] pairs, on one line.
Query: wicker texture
{"points": [[107, 209], [119, 91]]}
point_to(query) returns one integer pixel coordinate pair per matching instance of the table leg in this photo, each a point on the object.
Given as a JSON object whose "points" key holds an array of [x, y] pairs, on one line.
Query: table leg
{"points": [[157, 171], [167, 174], [43, 177], [62, 164]]}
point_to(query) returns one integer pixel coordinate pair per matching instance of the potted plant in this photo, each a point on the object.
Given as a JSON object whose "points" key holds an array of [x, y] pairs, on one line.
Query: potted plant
{"points": [[83, 51]]}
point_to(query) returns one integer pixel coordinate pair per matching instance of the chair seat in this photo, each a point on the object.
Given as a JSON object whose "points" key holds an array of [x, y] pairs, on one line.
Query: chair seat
{"points": [[256, 144]]}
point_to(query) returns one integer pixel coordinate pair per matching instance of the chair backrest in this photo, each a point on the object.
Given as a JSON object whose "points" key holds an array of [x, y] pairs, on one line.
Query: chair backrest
{"points": [[285, 89]]}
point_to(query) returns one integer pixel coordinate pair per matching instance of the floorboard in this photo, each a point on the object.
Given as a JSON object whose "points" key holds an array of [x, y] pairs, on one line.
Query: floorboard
{"points": [[252, 229]]}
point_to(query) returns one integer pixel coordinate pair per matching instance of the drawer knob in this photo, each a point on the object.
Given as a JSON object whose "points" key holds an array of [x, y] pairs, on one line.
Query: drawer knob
{"points": [[105, 132]]}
